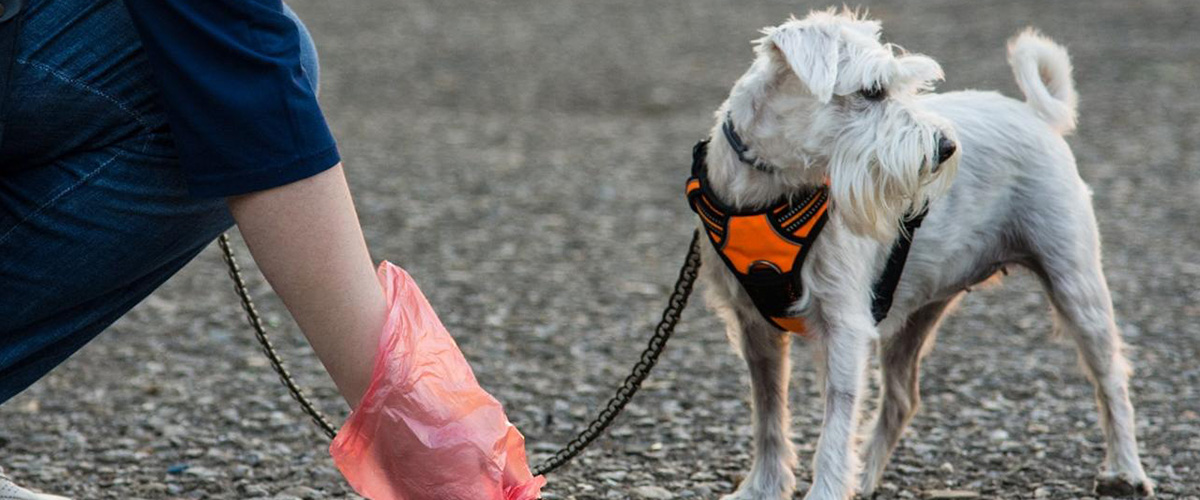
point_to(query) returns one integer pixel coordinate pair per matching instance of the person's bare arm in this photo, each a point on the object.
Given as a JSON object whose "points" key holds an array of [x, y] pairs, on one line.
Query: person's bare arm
{"points": [[307, 241]]}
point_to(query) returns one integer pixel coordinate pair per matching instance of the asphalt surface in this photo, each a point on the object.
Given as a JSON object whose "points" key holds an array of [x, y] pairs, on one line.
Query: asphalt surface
{"points": [[525, 159]]}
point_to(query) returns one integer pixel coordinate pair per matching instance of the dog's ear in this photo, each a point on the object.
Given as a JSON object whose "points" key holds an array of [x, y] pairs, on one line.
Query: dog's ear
{"points": [[812, 52]]}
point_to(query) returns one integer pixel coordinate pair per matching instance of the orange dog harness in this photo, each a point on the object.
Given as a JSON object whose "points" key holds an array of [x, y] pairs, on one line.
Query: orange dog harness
{"points": [[763, 248]]}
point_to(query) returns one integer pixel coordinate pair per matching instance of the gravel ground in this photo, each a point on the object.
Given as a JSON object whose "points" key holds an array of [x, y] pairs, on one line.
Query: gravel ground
{"points": [[525, 161]]}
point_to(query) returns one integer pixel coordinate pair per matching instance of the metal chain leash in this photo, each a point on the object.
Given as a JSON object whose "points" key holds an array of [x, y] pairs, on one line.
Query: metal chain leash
{"points": [[633, 382], [641, 370], [268, 348]]}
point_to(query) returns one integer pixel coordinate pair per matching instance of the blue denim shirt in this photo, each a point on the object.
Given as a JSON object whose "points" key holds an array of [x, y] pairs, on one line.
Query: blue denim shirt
{"points": [[242, 111]]}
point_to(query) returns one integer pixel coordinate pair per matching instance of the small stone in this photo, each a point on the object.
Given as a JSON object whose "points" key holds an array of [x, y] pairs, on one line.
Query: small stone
{"points": [[652, 493], [202, 472], [1010, 445], [615, 476], [303, 492], [950, 494], [254, 490]]}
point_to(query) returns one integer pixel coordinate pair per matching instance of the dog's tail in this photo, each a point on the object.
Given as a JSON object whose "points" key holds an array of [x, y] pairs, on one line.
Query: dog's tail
{"points": [[1043, 72]]}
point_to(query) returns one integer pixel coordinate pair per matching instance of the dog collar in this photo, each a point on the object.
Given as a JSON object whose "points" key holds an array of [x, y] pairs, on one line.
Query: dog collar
{"points": [[765, 249], [740, 148]]}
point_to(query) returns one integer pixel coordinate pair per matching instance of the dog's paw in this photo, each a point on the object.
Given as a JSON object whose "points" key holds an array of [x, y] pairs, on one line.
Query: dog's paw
{"points": [[1123, 485], [866, 494], [868, 484], [748, 494], [752, 493], [762, 490]]}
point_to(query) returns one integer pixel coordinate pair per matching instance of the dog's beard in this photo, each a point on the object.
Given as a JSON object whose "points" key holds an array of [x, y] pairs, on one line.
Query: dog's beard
{"points": [[875, 183]]}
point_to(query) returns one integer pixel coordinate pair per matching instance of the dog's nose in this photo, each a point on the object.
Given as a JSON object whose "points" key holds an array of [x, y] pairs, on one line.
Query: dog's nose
{"points": [[946, 149]]}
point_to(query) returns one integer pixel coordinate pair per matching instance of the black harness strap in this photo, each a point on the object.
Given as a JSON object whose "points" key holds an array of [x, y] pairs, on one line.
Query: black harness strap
{"points": [[885, 287]]}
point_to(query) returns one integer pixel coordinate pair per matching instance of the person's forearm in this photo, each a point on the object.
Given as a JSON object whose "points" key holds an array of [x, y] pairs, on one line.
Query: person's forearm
{"points": [[307, 241]]}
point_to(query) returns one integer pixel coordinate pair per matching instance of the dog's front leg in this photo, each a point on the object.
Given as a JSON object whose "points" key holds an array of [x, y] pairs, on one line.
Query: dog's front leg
{"points": [[765, 350], [843, 355]]}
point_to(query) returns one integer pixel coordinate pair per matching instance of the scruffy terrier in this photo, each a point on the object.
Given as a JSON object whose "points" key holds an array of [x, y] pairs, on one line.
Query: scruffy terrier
{"points": [[825, 103]]}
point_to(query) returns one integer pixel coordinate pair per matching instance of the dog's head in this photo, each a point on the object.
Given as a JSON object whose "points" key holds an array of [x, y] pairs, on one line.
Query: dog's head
{"points": [[824, 94]]}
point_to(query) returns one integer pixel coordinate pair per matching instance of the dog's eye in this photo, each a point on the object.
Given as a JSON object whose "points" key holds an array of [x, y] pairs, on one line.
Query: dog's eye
{"points": [[873, 93]]}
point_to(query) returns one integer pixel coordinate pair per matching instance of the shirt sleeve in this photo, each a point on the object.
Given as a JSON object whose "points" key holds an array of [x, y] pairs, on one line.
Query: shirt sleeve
{"points": [[242, 112]]}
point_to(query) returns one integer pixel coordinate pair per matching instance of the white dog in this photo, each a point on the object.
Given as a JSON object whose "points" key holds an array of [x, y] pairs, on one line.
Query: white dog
{"points": [[826, 103]]}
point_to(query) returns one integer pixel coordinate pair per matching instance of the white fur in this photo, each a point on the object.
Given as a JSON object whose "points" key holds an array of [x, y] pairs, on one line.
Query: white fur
{"points": [[1011, 195], [799, 101], [1043, 72]]}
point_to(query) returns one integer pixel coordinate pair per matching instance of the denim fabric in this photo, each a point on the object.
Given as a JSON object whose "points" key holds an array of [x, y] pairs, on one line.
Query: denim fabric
{"points": [[94, 211]]}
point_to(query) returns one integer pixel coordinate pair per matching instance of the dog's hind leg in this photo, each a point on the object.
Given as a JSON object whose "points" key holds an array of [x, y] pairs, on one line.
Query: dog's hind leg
{"points": [[900, 356], [765, 350], [1073, 277]]}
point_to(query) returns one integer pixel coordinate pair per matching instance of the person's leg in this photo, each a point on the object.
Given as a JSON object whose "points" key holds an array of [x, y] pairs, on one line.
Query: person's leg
{"points": [[94, 213]]}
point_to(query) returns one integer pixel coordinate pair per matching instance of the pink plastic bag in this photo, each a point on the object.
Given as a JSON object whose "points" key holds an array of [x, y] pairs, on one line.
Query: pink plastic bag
{"points": [[425, 429]]}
